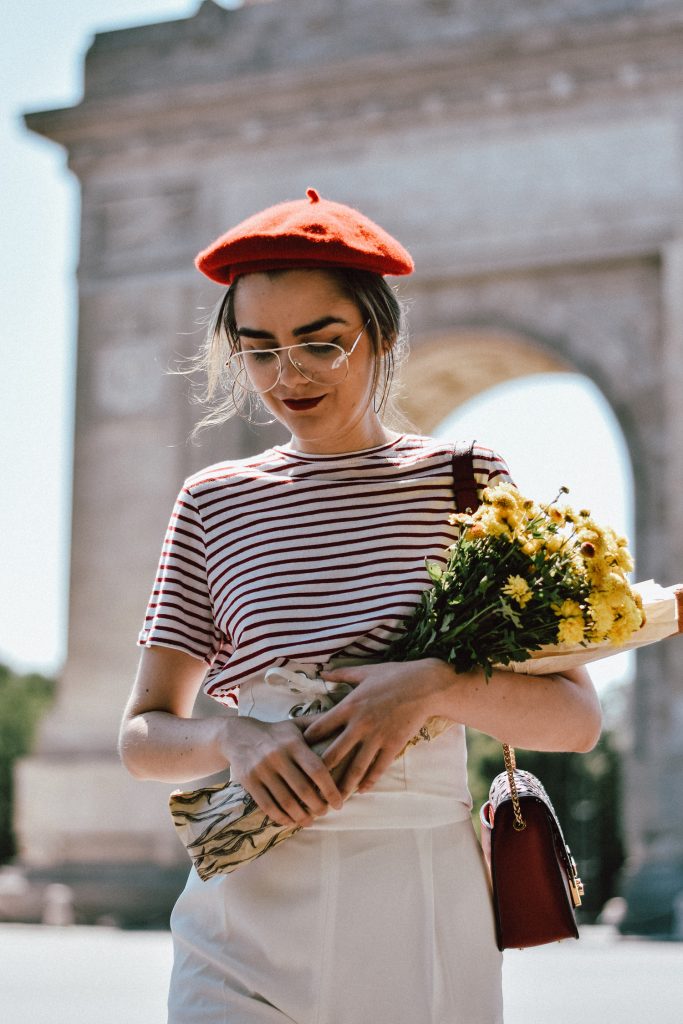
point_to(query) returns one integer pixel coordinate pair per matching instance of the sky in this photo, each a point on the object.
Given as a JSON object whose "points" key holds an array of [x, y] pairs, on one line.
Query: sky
{"points": [[42, 47], [41, 59]]}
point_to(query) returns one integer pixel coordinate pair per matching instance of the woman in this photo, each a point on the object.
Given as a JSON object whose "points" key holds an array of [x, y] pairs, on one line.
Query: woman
{"points": [[307, 557]]}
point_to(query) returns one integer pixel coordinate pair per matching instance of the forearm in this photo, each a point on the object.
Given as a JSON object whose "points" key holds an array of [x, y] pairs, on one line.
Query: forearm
{"points": [[554, 712], [391, 701], [162, 746]]}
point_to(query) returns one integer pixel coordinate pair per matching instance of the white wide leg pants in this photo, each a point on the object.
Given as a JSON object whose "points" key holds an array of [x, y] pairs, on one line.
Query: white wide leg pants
{"points": [[378, 914]]}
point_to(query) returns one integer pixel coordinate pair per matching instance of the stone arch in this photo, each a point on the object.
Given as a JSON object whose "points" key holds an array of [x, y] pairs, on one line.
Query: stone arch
{"points": [[445, 369]]}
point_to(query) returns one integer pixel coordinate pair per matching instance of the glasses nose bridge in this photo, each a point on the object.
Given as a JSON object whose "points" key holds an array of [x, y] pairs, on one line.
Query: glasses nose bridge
{"points": [[287, 364]]}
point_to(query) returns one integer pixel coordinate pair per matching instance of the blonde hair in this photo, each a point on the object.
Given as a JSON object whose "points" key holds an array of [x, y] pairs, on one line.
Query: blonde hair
{"points": [[377, 304]]}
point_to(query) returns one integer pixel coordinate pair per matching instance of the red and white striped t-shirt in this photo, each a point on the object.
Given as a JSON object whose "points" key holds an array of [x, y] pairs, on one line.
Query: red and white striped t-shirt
{"points": [[287, 556]]}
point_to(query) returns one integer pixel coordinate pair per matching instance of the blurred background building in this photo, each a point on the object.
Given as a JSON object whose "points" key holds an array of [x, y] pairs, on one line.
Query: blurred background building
{"points": [[529, 156]]}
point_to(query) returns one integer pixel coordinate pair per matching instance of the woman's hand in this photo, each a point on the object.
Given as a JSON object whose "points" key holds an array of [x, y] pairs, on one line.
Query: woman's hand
{"points": [[160, 740], [392, 701], [372, 724], [278, 769]]}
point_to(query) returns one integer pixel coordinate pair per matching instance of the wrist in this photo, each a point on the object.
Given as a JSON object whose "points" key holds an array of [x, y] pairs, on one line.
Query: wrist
{"points": [[224, 739], [444, 685]]}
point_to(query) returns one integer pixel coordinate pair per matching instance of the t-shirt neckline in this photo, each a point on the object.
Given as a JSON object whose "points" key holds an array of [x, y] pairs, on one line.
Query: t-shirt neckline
{"points": [[282, 449]]}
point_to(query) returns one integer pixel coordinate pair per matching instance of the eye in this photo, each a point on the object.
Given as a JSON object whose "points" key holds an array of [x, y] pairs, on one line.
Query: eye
{"points": [[259, 355], [321, 349]]}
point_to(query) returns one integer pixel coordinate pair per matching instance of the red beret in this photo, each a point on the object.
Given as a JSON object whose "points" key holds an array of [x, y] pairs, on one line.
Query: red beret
{"points": [[311, 232]]}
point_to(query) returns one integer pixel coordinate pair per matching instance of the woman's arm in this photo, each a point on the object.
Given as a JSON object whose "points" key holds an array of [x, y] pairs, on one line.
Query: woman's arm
{"points": [[160, 740], [392, 701]]}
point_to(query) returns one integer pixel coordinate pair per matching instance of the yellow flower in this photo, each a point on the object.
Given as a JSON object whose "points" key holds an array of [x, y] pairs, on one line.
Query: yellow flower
{"points": [[476, 530], [460, 519], [518, 589], [602, 616], [622, 630], [510, 515], [632, 615], [506, 496], [568, 609], [494, 526], [503, 500], [617, 599], [571, 630], [624, 560]]}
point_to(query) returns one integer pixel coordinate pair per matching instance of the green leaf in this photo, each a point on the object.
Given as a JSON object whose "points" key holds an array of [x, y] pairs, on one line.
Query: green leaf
{"points": [[510, 613], [434, 570]]}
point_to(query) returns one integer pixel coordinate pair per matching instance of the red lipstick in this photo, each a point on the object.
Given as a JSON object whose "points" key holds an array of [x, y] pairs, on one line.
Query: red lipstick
{"points": [[301, 404]]}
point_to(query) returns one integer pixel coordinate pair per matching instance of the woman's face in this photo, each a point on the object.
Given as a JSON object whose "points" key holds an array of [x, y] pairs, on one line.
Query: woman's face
{"points": [[299, 306]]}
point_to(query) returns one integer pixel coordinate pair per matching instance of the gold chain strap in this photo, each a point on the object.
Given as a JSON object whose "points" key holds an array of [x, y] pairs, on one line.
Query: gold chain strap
{"points": [[510, 765]]}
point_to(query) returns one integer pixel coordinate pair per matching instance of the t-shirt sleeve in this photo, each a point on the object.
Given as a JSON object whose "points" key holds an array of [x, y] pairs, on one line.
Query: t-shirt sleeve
{"points": [[489, 468], [179, 613]]}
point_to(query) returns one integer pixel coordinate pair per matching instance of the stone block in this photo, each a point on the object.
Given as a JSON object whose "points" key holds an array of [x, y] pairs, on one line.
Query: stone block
{"points": [[89, 810]]}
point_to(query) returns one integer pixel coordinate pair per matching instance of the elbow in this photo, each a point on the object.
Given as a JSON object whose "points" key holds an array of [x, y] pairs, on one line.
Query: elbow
{"points": [[584, 712], [127, 752], [589, 733], [133, 769], [127, 761]]}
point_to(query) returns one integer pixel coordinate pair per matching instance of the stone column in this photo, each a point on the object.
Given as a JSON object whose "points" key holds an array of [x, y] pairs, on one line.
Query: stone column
{"points": [[75, 803], [653, 790]]}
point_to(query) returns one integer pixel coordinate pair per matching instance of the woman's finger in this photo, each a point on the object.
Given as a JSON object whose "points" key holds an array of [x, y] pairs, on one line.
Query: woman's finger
{"points": [[327, 724], [377, 769], [306, 793], [269, 805], [338, 750], [302, 722], [304, 776], [289, 803], [319, 773], [313, 768], [351, 674], [357, 769]]}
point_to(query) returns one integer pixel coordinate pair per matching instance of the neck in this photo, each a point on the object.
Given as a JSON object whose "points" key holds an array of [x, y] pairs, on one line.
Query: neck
{"points": [[370, 434]]}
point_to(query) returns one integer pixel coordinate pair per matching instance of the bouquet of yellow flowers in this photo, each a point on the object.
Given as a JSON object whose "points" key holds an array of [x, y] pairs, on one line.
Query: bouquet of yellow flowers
{"points": [[521, 577]]}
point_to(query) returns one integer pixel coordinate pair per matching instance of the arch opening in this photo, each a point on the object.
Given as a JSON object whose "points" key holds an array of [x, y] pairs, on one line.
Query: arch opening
{"points": [[551, 424]]}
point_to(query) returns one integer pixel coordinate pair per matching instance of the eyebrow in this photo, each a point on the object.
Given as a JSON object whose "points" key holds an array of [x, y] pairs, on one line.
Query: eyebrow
{"points": [[316, 325]]}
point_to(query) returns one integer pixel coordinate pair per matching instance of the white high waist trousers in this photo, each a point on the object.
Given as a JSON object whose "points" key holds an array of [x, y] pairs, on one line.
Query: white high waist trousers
{"points": [[378, 914]]}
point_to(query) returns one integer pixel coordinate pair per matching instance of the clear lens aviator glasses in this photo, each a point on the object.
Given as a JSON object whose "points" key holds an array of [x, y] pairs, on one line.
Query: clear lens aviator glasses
{"points": [[321, 362]]}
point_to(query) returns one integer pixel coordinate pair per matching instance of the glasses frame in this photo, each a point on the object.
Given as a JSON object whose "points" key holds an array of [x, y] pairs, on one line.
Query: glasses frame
{"points": [[288, 350]]}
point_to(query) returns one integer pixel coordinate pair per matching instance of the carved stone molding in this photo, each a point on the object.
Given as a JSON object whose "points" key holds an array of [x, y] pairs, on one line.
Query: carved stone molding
{"points": [[490, 73]]}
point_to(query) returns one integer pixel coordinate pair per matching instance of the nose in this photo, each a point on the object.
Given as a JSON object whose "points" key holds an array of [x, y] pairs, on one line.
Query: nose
{"points": [[289, 375]]}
